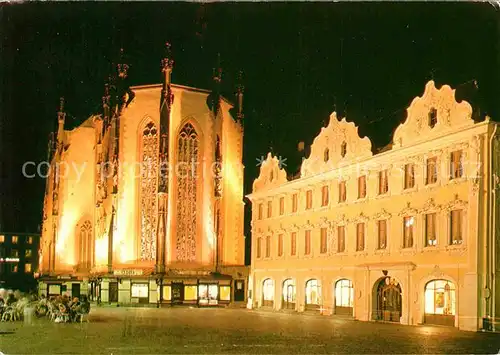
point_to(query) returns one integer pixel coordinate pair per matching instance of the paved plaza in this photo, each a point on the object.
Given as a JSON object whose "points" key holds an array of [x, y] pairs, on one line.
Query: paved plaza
{"points": [[196, 331]]}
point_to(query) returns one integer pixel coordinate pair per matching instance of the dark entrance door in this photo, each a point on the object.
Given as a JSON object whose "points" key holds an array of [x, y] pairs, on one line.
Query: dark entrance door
{"points": [[388, 300], [239, 290], [75, 290], [177, 292], [113, 292]]}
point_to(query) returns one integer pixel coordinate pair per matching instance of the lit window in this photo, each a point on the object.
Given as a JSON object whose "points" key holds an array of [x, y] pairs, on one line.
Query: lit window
{"points": [[282, 205], [456, 222], [140, 290], [2, 238], [409, 176], [295, 200], [14, 268], [409, 224], [280, 245], [267, 292], [456, 165], [268, 246], [341, 239], [432, 171], [15, 253], [440, 297], [14, 239], [30, 240], [27, 253], [323, 241], [27, 268], [289, 292], [307, 242], [383, 182], [225, 293], [167, 295], [269, 209], [360, 237], [342, 192], [309, 199], [293, 243], [362, 186], [344, 293], [430, 229], [324, 196], [191, 292], [382, 234], [313, 292]]}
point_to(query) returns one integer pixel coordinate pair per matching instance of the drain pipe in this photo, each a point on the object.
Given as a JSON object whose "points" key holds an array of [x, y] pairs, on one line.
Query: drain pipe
{"points": [[493, 199]]}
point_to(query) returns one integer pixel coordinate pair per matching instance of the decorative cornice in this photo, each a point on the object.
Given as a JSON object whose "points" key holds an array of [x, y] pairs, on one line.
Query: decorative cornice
{"points": [[408, 210], [457, 203], [361, 218], [383, 214], [343, 220], [430, 206]]}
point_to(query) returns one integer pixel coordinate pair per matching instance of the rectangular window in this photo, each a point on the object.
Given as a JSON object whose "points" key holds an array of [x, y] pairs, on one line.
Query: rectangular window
{"points": [[456, 221], [409, 224], [190, 292], [225, 293], [30, 240], [342, 192], [382, 234], [27, 268], [295, 200], [140, 290], [268, 246], [383, 182], [456, 166], [362, 186], [15, 253], [309, 199], [323, 240], [14, 239], [307, 242], [167, 292], [409, 176], [259, 247], [280, 245], [282, 206], [259, 216], [14, 268], [341, 239], [269, 209], [360, 237], [2, 238], [324, 196], [430, 229], [27, 253], [432, 171], [293, 243]]}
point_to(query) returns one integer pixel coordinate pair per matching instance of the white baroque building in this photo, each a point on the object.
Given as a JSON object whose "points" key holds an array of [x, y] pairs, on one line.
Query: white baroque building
{"points": [[408, 235]]}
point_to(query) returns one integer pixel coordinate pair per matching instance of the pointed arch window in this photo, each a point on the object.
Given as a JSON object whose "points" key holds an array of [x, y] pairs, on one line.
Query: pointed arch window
{"points": [[85, 246], [148, 190], [188, 158]]}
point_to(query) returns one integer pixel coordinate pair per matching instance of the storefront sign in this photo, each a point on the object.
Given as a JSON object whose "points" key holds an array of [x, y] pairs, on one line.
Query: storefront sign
{"points": [[128, 272], [9, 260]]}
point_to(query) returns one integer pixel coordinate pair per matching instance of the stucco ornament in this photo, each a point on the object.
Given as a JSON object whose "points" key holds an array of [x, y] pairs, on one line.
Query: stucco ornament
{"points": [[456, 204], [408, 210], [338, 143], [450, 114], [271, 174], [430, 206]]}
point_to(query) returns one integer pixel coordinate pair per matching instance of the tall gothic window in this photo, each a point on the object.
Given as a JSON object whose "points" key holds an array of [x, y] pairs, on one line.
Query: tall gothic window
{"points": [[85, 246], [188, 158], [148, 188]]}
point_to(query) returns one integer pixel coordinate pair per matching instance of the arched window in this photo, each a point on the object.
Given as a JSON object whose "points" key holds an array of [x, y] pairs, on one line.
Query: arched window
{"points": [[187, 177], [326, 155], [267, 292], [344, 293], [343, 149], [440, 297], [148, 191], [313, 292], [289, 291], [85, 246]]}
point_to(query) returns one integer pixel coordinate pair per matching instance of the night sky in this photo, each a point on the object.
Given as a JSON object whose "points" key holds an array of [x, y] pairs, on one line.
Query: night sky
{"points": [[300, 62]]}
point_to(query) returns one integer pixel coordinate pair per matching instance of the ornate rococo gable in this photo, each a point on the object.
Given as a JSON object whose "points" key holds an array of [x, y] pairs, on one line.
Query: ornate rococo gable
{"points": [[449, 116], [338, 143], [271, 174]]}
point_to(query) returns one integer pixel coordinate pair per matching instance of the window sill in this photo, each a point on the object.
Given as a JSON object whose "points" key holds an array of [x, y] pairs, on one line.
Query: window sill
{"points": [[432, 185], [361, 253], [409, 190], [408, 251], [343, 253], [342, 204], [381, 196], [361, 200], [382, 252], [458, 180]]}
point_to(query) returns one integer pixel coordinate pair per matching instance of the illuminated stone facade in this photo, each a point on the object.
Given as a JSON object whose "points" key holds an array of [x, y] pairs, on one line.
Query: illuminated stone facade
{"points": [[139, 201], [406, 235]]}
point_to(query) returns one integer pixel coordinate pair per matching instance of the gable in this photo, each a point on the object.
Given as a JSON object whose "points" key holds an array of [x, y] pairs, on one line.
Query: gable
{"points": [[271, 174]]}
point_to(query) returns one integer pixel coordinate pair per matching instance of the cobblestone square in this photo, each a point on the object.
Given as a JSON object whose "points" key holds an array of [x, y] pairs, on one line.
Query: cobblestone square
{"points": [[194, 330]]}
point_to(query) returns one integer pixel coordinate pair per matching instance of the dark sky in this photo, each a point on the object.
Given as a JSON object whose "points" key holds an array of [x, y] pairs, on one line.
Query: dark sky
{"points": [[299, 61]]}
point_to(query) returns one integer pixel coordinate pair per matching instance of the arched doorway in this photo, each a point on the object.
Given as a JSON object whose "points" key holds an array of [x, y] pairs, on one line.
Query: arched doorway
{"points": [[387, 300], [313, 294], [439, 301], [344, 297], [268, 293], [289, 294]]}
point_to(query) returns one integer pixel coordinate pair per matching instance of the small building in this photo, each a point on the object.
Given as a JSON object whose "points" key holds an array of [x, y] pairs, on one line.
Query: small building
{"points": [[150, 207], [19, 260], [407, 235]]}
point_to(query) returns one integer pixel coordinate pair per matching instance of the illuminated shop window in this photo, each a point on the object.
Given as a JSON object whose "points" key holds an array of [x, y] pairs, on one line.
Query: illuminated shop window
{"points": [[140, 290], [167, 293], [54, 289], [440, 297], [225, 293], [313, 292], [190, 292], [2, 238], [344, 293]]}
